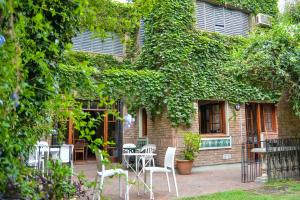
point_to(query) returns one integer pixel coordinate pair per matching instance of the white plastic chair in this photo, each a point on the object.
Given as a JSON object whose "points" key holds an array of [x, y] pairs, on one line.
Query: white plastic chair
{"points": [[43, 149], [66, 154], [43, 153], [102, 173], [128, 148], [168, 167], [33, 159], [149, 148]]}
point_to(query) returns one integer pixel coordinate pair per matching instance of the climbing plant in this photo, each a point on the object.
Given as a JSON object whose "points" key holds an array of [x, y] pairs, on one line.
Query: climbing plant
{"points": [[270, 58], [39, 86], [193, 65]]}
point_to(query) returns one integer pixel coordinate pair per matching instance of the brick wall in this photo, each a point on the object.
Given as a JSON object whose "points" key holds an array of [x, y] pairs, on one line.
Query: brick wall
{"points": [[161, 133], [235, 123], [288, 122], [130, 134]]}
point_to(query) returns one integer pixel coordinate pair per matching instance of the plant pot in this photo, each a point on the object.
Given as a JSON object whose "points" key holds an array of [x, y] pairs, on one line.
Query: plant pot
{"points": [[184, 166], [113, 159]]}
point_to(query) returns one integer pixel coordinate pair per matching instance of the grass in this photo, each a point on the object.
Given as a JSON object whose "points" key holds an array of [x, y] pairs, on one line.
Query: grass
{"points": [[279, 190]]}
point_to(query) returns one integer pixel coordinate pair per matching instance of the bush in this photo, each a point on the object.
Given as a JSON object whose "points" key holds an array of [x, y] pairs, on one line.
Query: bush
{"points": [[192, 143]]}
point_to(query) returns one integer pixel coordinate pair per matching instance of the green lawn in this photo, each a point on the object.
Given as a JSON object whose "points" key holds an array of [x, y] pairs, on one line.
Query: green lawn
{"points": [[284, 190]]}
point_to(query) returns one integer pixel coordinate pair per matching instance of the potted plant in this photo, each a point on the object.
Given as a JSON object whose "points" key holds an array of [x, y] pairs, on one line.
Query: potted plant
{"points": [[192, 143]]}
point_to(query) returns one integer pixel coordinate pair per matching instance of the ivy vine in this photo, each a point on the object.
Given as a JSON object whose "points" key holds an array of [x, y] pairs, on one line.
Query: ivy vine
{"points": [[191, 65]]}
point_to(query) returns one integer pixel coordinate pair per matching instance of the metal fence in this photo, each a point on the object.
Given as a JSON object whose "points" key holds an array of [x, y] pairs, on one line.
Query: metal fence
{"points": [[282, 159], [251, 163]]}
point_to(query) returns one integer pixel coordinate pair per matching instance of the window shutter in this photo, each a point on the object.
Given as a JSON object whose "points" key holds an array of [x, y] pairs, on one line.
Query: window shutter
{"points": [[245, 24], [142, 33], [85, 42], [219, 19], [209, 17], [117, 46], [222, 20], [200, 14]]}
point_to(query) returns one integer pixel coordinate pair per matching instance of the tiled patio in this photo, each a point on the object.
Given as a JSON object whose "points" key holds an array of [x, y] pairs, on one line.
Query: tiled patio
{"points": [[204, 180]]}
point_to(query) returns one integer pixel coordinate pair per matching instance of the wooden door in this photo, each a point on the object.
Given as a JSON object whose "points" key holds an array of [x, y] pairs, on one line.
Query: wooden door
{"points": [[252, 128]]}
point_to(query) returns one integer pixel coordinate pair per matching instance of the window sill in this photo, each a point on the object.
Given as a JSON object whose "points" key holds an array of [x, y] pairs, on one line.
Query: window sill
{"points": [[216, 143], [270, 133], [213, 135]]}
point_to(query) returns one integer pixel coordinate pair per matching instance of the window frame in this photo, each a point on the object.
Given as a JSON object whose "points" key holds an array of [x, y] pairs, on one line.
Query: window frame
{"points": [[222, 118], [229, 21], [263, 118]]}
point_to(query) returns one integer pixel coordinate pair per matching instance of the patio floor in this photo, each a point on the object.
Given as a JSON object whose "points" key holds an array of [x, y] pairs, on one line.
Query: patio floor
{"points": [[203, 180]]}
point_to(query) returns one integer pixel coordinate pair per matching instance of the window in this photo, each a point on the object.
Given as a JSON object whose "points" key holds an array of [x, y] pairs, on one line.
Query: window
{"points": [[111, 45], [141, 33], [222, 20], [211, 117], [268, 118], [144, 126]]}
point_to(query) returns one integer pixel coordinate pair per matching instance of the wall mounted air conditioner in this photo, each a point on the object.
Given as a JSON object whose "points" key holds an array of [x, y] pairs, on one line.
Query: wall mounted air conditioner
{"points": [[263, 20]]}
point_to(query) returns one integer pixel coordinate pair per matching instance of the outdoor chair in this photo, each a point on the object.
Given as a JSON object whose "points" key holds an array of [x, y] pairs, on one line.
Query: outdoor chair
{"points": [[168, 167], [128, 148], [42, 149], [79, 147], [141, 142], [102, 173], [33, 159], [66, 154], [148, 148]]}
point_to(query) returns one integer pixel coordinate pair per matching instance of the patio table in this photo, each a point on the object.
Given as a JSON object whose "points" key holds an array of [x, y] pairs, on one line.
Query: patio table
{"points": [[136, 170]]}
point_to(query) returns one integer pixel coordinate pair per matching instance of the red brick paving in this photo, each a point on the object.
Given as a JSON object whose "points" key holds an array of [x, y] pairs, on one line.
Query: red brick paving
{"points": [[203, 180]]}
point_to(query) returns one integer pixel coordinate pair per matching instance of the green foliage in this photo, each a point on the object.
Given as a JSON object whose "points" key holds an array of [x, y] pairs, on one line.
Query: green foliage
{"points": [[139, 87], [36, 89], [192, 65], [270, 58], [192, 144], [57, 185], [254, 6]]}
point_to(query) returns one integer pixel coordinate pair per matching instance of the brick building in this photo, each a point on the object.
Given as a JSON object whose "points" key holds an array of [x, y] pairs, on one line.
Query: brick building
{"points": [[223, 127]]}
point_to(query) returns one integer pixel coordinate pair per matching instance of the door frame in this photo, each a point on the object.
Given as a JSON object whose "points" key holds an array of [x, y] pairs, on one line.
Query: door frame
{"points": [[258, 121]]}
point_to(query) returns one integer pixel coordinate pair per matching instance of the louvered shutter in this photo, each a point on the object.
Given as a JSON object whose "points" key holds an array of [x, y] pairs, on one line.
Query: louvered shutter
{"points": [[222, 20], [86, 42], [209, 17], [200, 14], [245, 24], [117, 46], [142, 33], [219, 19]]}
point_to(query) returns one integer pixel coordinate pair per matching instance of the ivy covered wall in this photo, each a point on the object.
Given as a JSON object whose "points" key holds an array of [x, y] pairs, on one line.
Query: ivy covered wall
{"points": [[255, 6], [179, 65]]}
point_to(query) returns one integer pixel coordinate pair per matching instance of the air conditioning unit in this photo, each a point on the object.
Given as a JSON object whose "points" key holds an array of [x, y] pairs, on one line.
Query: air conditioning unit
{"points": [[263, 20]]}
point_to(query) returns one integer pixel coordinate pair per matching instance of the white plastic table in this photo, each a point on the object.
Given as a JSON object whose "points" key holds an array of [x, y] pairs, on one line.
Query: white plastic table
{"points": [[136, 170]]}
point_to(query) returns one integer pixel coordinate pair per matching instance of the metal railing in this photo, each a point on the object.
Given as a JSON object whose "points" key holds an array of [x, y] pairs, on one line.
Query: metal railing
{"points": [[282, 159], [251, 162]]}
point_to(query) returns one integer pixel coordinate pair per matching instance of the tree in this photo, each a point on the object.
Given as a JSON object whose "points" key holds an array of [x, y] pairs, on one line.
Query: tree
{"points": [[271, 57]]}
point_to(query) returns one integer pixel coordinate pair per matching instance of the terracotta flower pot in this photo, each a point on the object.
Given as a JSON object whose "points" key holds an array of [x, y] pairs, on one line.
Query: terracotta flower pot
{"points": [[113, 159], [184, 166]]}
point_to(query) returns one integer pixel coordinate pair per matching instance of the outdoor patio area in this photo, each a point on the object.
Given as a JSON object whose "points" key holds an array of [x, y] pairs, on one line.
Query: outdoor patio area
{"points": [[203, 180]]}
